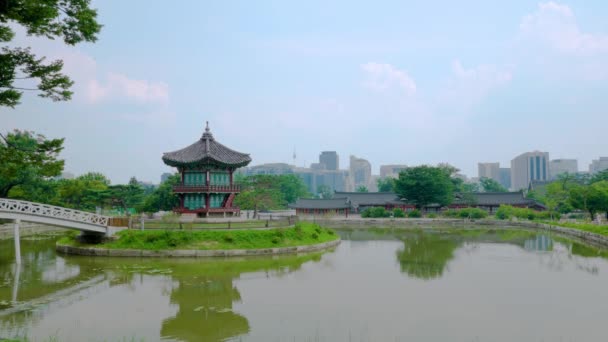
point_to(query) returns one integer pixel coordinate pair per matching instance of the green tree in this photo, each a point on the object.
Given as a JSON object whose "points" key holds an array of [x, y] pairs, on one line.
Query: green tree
{"points": [[591, 198], [163, 197], [386, 184], [324, 191], [362, 188], [491, 185], [600, 176], [72, 20], [82, 193], [27, 158], [424, 185], [259, 192], [127, 196], [292, 188]]}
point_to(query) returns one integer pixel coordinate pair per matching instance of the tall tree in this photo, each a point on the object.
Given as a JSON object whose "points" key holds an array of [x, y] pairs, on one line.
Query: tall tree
{"points": [[491, 185], [26, 157], [424, 185], [71, 20], [591, 198], [163, 197], [386, 184], [600, 176], [361, 188], [324, 191]]}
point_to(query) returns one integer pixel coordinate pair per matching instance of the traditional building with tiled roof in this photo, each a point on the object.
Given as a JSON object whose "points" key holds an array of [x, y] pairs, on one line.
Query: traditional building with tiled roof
{"points": [[490, 201], [306, 206], [206, 168], [356, 202]]}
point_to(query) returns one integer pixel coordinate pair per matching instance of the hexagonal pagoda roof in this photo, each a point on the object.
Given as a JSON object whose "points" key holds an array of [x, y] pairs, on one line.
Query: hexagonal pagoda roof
{"points": [[206, 151]]}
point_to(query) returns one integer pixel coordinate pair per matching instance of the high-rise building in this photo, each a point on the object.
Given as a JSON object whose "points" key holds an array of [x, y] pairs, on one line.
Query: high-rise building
{"points": [[559, 166], [330, 160], [360, 172], [505, 177], [165, 176], [391, 171], [598, 165], [527, 167], [489, 170]]}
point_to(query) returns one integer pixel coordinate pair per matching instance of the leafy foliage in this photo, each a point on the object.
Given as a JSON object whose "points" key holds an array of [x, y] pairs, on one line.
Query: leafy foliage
{"points": [[491, 185], [386, 184], [265, 192], [398, 213], [361, 188], [506, 212], [27, 158], [471, 213], [424, 185], [414, 213], [72, 20], [375, 212], [163, 198]]}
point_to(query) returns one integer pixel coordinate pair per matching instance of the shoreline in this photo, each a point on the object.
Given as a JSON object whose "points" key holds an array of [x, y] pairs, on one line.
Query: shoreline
{"points": [[424, 223], [193, 253]]}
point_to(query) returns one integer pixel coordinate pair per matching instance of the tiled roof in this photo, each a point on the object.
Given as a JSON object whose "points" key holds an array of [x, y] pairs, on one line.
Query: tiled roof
{"points": [[358, 199], [496, 198], [206, 150], [333, 203]]}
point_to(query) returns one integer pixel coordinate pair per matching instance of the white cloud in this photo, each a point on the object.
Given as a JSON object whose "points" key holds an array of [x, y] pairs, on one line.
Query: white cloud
{"points": [[120, 86], [467, 87], [383, 76], [556, 25]]}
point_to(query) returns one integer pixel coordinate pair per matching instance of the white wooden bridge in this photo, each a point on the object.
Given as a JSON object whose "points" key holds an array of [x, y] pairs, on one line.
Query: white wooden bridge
{"points": [[54, 216]]}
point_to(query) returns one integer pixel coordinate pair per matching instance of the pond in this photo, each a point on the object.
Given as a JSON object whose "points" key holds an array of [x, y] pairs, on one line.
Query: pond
{"points": [[378, 285]]}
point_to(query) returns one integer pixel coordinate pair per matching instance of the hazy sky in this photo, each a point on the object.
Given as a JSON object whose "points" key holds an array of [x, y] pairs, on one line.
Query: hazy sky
{"points": [[407, 82]]}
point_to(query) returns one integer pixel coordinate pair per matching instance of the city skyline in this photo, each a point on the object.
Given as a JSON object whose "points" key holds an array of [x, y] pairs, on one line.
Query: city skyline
{"points": [[516, 76]]}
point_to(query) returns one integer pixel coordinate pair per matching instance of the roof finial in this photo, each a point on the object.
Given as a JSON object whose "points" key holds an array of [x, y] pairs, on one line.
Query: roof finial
{"points": [[207, 128]]}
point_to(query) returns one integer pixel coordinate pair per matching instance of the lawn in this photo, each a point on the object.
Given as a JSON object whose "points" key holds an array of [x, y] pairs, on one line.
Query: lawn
{"points": [[304, 233]]}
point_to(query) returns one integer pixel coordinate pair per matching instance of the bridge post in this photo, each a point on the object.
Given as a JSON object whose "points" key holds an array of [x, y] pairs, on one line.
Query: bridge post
{"points": [[17, 242]]}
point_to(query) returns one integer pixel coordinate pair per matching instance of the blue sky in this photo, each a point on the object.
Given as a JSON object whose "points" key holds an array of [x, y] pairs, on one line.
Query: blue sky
{"points": [[390, 81]]}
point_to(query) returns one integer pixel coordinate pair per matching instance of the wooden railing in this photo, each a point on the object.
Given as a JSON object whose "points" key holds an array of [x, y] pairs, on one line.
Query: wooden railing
{"points": [[206, 188]]}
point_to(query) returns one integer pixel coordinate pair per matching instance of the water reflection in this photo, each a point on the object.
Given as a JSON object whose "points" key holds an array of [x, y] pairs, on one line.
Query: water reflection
{"points": [[224, 299], [426, 256], [202, 291]]}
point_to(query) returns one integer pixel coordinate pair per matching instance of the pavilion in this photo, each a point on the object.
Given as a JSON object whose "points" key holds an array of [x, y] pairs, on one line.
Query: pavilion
{"points": [[206, 168]]}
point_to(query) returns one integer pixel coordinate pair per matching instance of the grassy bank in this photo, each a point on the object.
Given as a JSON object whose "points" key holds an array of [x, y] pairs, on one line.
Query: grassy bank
{"points": [[587, 227], [303, 233]]}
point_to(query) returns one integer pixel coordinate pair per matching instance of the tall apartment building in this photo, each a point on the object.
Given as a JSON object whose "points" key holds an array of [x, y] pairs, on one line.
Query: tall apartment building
{"points": [[505, 177], [527, 167], [598, 165], [360, 172], [391, 171], [559, 166], [489, 170], [330, 160]]}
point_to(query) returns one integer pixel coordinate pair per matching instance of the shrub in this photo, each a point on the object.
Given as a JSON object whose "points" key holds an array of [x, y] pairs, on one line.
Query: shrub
{"points": [[330, 232], [432, 215], [506, 212], [229, 238], [279, 232], [315, 236], [414, 214], [375, 212], [398, 212], [276, 240]]}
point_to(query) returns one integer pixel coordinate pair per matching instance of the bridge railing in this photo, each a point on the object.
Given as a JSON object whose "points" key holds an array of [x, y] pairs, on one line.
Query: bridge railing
{"points": [[45, 210]]}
